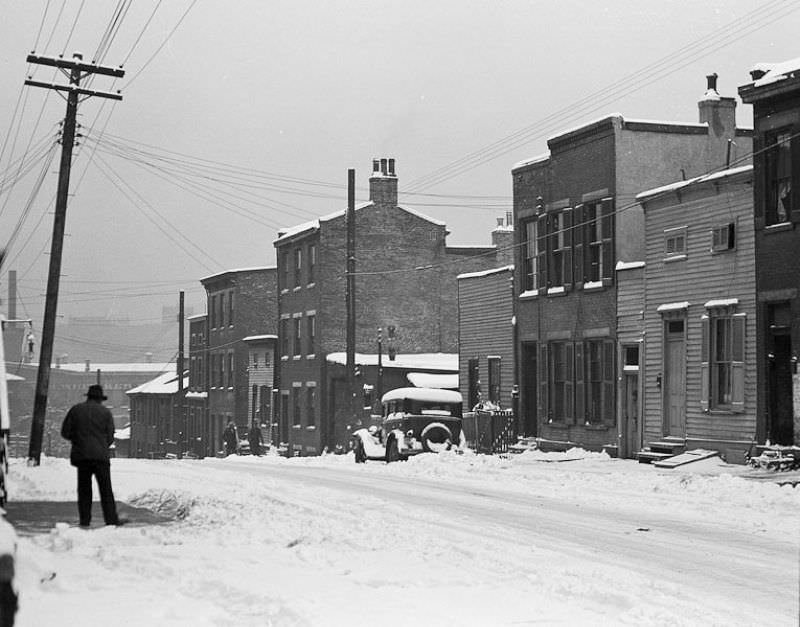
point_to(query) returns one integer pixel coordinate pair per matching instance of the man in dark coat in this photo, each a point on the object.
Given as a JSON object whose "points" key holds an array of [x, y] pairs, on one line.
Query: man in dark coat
{"points": [[255, 439], [230, 437], [89, 426]]}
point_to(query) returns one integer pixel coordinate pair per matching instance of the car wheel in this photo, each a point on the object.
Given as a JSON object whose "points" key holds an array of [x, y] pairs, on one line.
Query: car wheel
{"points": [[436, 437], [392, 452], [359, 452]]}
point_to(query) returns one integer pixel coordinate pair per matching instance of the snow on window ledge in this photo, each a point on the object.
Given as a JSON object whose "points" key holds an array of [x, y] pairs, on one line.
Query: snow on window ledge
{"points": [[778, 226], [311, 356], [284, 357], [555, 291], [592, 285], [529, 293], [298, 427], [296, 357], [311, 428], [675, 258]]}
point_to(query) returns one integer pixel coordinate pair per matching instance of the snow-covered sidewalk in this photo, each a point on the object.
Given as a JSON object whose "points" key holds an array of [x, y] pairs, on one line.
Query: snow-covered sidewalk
{"points": [[440, 540]]}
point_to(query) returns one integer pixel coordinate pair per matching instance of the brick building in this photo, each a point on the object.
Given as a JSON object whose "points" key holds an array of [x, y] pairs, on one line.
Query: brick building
{"points": [[201, 436], [406, 279], [775, 95], [699, 362], [240, 303], [575, 220]]}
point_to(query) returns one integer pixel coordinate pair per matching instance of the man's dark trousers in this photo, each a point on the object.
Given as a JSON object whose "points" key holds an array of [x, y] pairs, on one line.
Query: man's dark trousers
{"points": [[102, 471]]}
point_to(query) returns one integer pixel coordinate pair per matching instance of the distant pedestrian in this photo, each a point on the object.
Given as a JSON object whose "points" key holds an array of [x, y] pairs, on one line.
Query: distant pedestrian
{"points": [[255, 438], [230, 438], [89, 426]]}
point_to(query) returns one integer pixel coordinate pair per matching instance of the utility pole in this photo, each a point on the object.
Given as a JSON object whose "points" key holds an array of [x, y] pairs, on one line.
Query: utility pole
{"points": [[76, 69], [350, 291], [181, 398]]}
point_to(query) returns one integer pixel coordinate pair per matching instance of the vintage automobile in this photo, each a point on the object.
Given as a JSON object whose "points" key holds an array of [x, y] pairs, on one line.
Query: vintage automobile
{"points": [[414, 420]]}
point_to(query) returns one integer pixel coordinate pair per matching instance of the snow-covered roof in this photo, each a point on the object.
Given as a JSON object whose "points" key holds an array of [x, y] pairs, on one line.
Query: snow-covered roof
{"points": [[197, 316], [134, 367], [237, 271], [433, 395], [531, 161], [411, 361], [255, 338], [774, 72], [428, 380], [704, 178], [313, 225], [166, 383], [472, 275], [665, 122]]}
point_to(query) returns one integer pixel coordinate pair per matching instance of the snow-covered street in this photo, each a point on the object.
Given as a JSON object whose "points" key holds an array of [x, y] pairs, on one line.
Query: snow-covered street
{"points": [[441, 540]]}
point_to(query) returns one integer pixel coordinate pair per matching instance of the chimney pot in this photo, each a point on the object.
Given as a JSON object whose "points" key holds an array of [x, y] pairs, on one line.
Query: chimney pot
{"points": [[712, 81], [376, 165], [383, 166], [499, 221], [509, 218], [77, 55], [757, 74], [391, 167]]}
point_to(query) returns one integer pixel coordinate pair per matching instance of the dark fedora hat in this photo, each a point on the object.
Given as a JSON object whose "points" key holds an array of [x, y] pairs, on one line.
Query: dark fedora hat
{"points": [[96, 391]]}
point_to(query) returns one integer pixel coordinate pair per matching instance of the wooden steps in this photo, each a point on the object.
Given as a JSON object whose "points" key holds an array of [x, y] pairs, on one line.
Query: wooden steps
{"points": [[660, 450]]}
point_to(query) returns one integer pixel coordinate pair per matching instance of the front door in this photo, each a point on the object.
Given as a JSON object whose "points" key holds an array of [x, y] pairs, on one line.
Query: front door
{"points": [[529, 389], [781, 405], [629, 442], [674, 379]]}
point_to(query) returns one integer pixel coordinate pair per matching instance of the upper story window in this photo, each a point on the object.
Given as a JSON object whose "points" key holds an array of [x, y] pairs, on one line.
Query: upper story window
{"points": [[222, 309], [560, 273], [298, 266], [675, 243], [312, 262], [778, 157], [297, 336], [286, 269], [311, 323], [213, 312], [530, 251], [596, 218], [230, 309], [284, 336], [723, 237]]}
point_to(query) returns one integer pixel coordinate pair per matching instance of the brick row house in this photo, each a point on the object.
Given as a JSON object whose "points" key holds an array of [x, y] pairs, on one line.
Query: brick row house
{"points": [[240, 304], [577, 221], [775, 95], [405, 279]]}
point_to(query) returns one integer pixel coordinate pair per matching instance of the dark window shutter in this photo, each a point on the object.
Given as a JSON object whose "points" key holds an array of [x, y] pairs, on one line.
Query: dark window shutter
{"points": [[607, 209], [569, 376], [609, 416], [578, 245], [544, 368], [759, 181], [580, 393], [737, 367], [541, 228], [567, 254], [705, 338]]}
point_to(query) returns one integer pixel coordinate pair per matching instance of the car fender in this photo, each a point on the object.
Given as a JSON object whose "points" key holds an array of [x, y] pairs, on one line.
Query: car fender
{"points": [[398, 435], [372, 447]]}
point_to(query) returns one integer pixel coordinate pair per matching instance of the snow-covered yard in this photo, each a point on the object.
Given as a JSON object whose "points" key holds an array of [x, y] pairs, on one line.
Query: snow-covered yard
{"points": [[569, 538]]}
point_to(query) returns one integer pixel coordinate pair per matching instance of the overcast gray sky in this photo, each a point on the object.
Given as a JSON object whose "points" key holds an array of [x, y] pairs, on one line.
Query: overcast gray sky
{"points": [[455, 91]]}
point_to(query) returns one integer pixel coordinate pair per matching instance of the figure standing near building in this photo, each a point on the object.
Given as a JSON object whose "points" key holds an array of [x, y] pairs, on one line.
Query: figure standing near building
{"points": [[89, 426], [255, 439], [230, 438]]}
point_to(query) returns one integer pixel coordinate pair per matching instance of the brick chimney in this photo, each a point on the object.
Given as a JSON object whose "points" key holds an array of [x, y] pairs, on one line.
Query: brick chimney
{"points": [[383, 183], [503, 239], [720, 114]]}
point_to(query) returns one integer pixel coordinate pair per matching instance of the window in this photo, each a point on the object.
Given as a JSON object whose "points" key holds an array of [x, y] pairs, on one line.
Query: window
{"points": [[560, 273], [230, 370], [298, 266], [296, 405], [312, 262], [220, 370], [597, 263], [779, 177], [599, 378], [286, 269], [297, 347], [723, 237], [213, 310], [494, 379], [284, 336], [254, 405], [230, 309], [722, 360], [561, 378], [530, 249], [221, 318], [311, 405], [675, 243], [311, 328]]}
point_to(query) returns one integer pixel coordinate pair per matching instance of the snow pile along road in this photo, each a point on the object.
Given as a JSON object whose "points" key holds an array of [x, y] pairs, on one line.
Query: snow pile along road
{"points": [[440, 540]]}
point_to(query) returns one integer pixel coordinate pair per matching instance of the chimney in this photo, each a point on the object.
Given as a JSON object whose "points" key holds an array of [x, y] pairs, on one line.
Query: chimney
{"points": [[503, 241], [719, 112], [383, 183]]}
